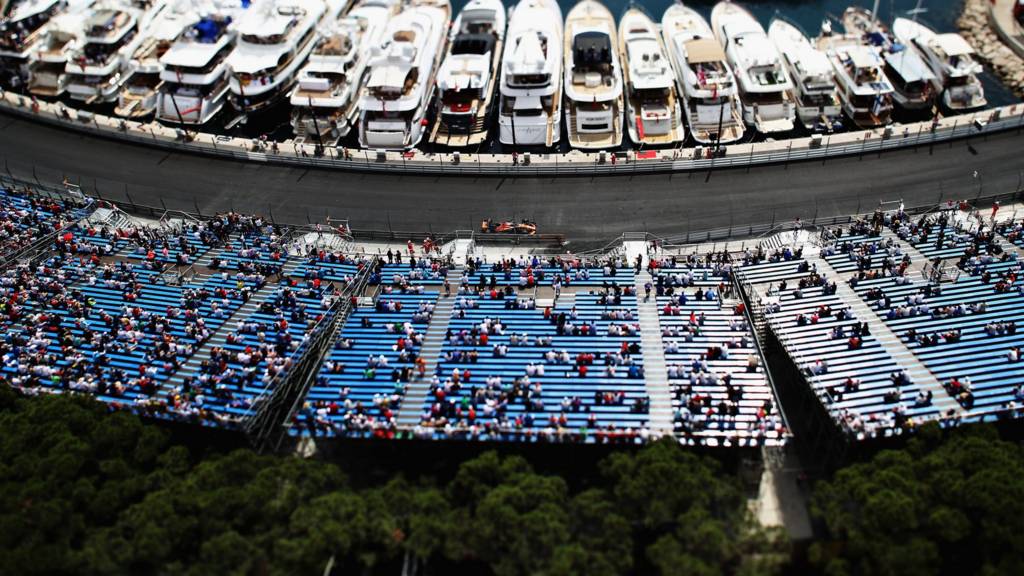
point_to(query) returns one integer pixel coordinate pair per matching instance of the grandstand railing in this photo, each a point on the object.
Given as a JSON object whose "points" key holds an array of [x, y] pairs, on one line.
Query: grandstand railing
{"points": [[33, 253], [762, 325], [692, 239], [283, 396], [172, 276], [40, 249], [754, 313], [928, 132]]}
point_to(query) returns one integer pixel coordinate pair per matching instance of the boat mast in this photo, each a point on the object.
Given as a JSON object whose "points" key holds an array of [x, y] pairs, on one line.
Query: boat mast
{"points": [[316, 127], [918, 10], [721, 116], [178, 112]]}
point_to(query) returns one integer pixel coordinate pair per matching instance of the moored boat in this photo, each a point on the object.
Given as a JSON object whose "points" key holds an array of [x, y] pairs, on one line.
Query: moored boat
{"points": [[531, 76], [139, 91], [469, 74], [764, 88], [952, 61], [98, 66], [593, 78], [817, 101], [325, 102], [653, 114], [914, 84], [705, 81], [194, 71], [21, 27], [396, 98], [864, 90], [47, 68], [274, 39]]}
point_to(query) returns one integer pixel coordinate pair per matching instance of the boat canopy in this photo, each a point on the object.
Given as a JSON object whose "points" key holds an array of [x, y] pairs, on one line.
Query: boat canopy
{"points": [[952, 45], [473, 44], [861, 57], [703, 50], [592, 48], [909, 66], [527, 103], [208, 30]]}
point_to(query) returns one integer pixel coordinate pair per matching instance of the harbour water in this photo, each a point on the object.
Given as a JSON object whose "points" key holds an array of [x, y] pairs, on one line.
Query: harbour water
{"points": [[807, 14]]}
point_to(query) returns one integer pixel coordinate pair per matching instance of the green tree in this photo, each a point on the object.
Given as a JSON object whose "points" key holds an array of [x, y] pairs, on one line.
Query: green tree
{"points": [[949, 506]]}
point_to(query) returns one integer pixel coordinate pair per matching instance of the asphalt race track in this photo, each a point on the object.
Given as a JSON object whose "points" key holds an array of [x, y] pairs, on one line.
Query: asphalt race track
{"points": [[584, 209]]}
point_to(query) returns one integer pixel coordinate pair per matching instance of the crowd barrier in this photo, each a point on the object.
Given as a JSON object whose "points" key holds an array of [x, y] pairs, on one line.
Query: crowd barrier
{"points": [[572, 163]]}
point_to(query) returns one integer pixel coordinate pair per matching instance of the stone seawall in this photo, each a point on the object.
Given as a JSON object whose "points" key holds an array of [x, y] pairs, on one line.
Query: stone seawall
{"points": [[977, 27]]}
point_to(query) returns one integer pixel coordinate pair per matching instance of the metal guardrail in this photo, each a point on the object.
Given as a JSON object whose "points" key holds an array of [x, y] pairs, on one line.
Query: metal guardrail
{"points": [[283, 396], [696, 239], [755, 316], [574, 163], [40, 249]]}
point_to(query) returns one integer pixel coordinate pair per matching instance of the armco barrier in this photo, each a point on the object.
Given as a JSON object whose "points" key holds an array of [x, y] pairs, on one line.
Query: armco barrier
{"points": [[568, 164]]}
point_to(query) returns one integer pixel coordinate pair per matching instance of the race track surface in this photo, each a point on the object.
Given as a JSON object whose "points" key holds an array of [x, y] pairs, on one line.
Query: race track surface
{"points": [[584, 209]]}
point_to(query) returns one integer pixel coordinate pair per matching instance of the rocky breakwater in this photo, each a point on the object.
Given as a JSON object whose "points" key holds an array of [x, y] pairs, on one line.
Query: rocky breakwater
{"points": [[978, 29]]}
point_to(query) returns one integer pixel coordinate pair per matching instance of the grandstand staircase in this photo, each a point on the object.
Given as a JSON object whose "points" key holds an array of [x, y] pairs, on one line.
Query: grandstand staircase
{"points": [[1010, 247], [433, 342], [113, 218], [207, 257], [918, 261], [218, 338], [655, 370], [921, 376]]}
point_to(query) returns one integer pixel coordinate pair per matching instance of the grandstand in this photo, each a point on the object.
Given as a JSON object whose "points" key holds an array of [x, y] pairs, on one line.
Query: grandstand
{"points": [[235, 321]]}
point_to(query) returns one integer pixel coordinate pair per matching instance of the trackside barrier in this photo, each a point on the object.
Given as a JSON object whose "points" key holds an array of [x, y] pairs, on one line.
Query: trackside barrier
{"points": [[693, 240], [572, 163]]}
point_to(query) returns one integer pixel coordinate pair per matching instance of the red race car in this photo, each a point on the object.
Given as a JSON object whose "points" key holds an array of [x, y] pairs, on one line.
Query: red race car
{"points": [[524, 227]]}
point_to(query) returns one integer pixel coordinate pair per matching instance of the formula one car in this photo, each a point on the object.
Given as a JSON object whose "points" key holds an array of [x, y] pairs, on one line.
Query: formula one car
{"points": [[525, 227]]}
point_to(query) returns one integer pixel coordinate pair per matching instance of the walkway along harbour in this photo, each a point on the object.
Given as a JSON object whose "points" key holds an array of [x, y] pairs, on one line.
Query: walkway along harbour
{"points": [[573, 163]]}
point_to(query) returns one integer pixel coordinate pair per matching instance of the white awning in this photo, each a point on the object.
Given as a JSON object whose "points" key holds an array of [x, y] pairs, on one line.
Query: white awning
{"points": [[953, 44], [702, 50], [527, 103]]}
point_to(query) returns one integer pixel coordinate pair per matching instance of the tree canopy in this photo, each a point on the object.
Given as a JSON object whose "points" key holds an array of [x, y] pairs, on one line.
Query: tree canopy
{"points": [[87, 491], [939, 506], [91, 492]]}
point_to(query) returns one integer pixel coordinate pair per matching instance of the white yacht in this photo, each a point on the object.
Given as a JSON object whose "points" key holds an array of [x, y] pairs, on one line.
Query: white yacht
{"points": [[326, 101], [194, 75], [21, 27], [274, 38], [98, 67], [653, 114], [47, 76], [914, 85], [814, 86], [530, 112], [138, 95], [764, 87], [952, 61], [396, 98], [593, 78], [864, 91], [469, 74], [704, 79]]}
